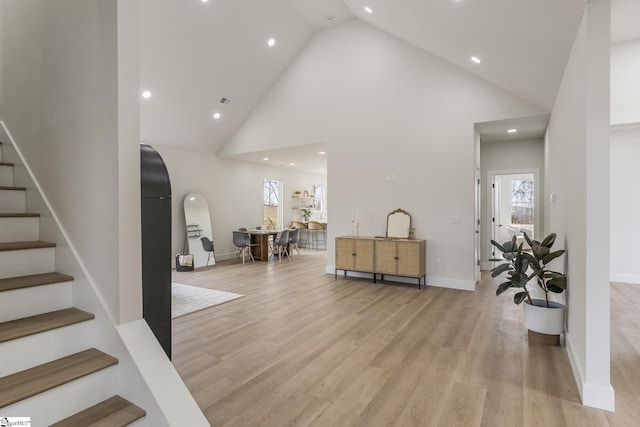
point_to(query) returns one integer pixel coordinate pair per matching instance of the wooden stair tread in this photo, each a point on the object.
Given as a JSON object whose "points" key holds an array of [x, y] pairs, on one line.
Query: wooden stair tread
{"points": [[4, 187], [16, 246], [32, 381], [20, 282], [6, 164], [19, 215], [113, 412], [31, 325]]}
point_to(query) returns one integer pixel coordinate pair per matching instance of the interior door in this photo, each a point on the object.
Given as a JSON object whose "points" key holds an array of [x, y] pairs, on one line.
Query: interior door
{"points": [[476, 240], [496, 229]]}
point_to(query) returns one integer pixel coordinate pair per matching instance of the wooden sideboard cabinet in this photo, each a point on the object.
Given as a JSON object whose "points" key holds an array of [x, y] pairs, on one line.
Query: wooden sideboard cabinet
{"points": [[355, 254], [397, 257]]}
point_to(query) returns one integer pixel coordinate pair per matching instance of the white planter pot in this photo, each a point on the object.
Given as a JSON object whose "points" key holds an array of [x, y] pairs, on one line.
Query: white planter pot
{"points": [[539, 318]]}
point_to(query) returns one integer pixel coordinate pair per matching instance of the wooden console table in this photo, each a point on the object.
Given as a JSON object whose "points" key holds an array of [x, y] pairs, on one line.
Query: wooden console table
{"points": [[378, 255]]}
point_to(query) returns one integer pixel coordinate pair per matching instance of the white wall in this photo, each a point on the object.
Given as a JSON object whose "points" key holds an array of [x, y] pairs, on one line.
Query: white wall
{"points": [[625, 84], [232, 188], [578, 175], [507, 155], [625, 205], [60, 101], [385, 107]]}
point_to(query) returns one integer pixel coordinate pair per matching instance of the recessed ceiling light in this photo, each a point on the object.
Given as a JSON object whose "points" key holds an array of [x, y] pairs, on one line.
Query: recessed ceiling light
{"points": [[368, 9], [204, 1], [271, 42], [512, 130], [146, 94], [292, 164], [265, 158], [217, 115], [475, 59], [322, 152], [321, 170], [192, 198], [328, 18]]}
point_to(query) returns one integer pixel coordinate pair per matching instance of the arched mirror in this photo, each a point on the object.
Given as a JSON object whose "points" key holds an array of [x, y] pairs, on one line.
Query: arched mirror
{"points": [[198, 226], [398, 224]]}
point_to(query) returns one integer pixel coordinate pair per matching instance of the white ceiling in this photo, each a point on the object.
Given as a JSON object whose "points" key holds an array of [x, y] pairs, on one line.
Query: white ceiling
{"points": [[194, 53]]}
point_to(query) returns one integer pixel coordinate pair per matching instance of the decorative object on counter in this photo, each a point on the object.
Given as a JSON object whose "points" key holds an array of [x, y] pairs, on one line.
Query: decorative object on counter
{"points": [[306, 213], [297, 193], [305, 194], [543, 318], [412, 233], [398, 224], [355, 223]]}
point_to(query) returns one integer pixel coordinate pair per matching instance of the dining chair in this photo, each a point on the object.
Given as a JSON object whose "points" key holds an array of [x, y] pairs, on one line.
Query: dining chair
{"points": [[207, 245], [304, 232], [294, 237], [280, 245], [242, 241]]}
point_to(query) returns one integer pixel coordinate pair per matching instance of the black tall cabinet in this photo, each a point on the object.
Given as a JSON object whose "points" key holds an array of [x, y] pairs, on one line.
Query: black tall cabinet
{"points": [[156, 245]]}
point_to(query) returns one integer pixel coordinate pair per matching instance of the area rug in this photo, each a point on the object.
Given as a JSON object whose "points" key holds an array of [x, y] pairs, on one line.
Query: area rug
{"points": [[186, 299]]}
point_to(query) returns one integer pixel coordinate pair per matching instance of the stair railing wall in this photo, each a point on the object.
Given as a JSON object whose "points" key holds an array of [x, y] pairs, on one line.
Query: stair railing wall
{"points": [[132, 382]]}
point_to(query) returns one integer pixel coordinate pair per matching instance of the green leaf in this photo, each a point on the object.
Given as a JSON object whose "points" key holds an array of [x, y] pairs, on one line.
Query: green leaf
{"points": [[532, 260], [554, 288], [553, 255], [519, 297], [559, 282], [539, 251], [522, 264], [503, 287], [549, 240], [519, 280], [527, 239], [497, 245], [498, 270]]}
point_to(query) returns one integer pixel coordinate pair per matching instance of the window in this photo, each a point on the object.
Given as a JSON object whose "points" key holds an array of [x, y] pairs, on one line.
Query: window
{"points": [[318, 196], [522, 201], [272, 217]]}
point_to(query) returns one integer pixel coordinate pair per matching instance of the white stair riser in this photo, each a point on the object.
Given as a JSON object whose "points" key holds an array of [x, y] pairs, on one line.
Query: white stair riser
{"points": [[25, 302], [19, 229], [6, 176], [12, 201], [67, 399], [46, 346], [27, 261]]}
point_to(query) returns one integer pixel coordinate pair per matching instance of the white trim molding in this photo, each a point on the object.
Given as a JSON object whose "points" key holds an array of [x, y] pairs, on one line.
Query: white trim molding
{"points": [[599, 396], [633, 279]]}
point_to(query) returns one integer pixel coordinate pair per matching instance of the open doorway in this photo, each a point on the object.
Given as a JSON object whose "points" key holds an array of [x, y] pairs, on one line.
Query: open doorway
{"points": [[514, 207]]}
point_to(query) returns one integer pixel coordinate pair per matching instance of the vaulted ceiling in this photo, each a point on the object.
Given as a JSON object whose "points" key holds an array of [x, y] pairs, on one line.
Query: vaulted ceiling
{"points": [[194, 53]]}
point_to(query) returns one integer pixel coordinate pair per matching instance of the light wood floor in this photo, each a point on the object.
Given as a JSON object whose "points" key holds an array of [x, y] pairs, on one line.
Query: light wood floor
{"points": [[304, 349]]}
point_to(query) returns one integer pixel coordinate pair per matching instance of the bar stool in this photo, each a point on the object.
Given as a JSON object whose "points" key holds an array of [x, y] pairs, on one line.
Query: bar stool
{"points": [[317, 229]]}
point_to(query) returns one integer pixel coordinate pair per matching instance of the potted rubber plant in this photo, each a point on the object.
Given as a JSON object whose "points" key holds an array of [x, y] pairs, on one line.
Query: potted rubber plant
{"points": [[543, 318]]}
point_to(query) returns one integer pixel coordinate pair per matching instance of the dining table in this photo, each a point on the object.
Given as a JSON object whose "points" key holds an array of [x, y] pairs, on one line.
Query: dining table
{"points": [[260, 243]]}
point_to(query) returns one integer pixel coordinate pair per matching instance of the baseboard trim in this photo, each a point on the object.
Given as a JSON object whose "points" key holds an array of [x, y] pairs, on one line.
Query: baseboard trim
{"points": [[440, 282], [633, 279], [599, 396]]}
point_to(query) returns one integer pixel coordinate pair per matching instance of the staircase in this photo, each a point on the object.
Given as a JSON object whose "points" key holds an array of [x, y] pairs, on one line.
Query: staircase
{"points": [[50, 370]]}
